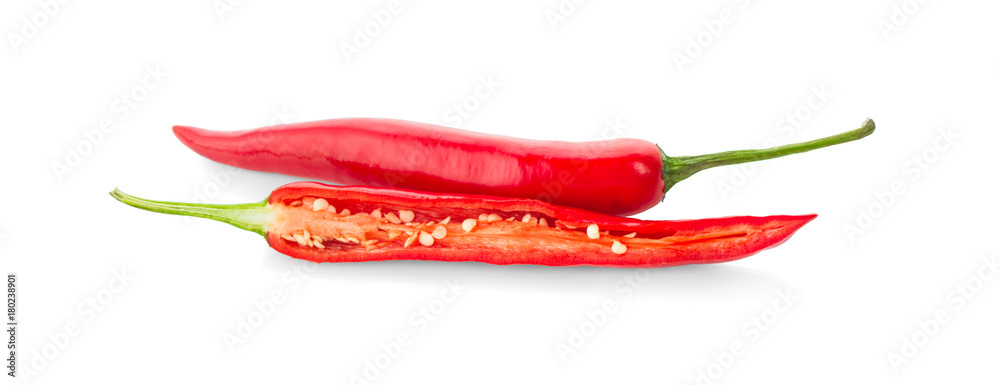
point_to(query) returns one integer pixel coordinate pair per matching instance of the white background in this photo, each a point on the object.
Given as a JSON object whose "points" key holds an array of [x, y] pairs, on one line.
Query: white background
{"points": [[836, 305]]}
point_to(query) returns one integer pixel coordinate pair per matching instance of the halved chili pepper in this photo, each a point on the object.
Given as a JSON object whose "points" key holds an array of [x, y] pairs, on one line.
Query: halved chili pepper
{"points": [[394, 153], [324, 223]]}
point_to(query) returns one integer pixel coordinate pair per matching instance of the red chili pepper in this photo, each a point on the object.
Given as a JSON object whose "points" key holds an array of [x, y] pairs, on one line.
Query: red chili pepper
{"points": [[323, 223], [617, 177]]}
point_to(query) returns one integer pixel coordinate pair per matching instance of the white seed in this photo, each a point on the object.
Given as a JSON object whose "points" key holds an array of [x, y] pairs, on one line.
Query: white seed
{"points": [[493, 218], [345, 212], [308, 201], [319, 245], [468, 224], [393, 218], [426, 239], [593, 232], [543, 222], [300, 239], [305, 234], [320, 204], [439, 232], [393, 234], [409, 241], [288, 238], [483, 217], [406, 216], [511, 219], [352, 239], [446, 220], [331, 209], [526, 218], [629, 235], [295, 203], [533, 221], [377, 213], [618, 247]]}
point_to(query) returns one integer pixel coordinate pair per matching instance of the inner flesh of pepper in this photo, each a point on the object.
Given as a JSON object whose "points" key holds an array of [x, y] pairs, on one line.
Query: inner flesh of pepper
{"points": [[320, 223]]}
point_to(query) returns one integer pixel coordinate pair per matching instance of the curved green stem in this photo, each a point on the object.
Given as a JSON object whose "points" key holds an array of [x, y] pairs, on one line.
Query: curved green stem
{"points": [[676, 169], [248, 216]]}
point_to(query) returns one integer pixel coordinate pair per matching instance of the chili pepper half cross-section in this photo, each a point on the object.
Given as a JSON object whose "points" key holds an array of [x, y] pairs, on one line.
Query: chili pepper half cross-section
{"points": [[324, 223]]}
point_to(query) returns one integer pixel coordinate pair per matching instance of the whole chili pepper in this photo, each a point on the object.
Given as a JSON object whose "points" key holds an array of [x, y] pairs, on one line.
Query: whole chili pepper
{"points": [[324, 223], [394, 153]]}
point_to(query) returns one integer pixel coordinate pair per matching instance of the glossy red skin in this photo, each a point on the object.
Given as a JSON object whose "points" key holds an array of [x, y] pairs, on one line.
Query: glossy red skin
{"points": [[617, 177], [773, 231]]}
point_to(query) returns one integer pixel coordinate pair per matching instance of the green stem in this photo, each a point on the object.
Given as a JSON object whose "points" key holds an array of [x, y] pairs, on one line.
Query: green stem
{"points": [[676, 169], [248, 216]]}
